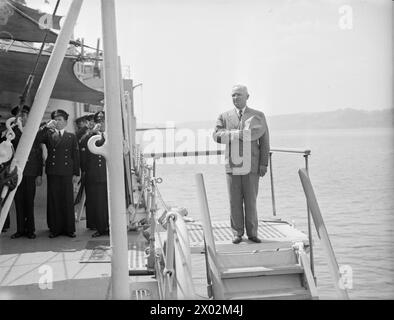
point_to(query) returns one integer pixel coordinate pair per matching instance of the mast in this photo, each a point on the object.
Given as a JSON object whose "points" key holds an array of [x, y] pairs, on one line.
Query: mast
{"points": [[113, 152], [41, 100]]}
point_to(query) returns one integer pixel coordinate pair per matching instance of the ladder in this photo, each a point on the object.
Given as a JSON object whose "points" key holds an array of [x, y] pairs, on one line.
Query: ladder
{"points": [[279, 270]]}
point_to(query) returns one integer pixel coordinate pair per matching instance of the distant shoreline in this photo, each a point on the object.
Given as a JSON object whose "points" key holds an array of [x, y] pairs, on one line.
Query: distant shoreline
{"points": [[339, 119]]}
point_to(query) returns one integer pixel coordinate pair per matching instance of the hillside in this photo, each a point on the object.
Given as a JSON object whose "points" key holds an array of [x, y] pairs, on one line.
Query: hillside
{"points": [[338, 119]]}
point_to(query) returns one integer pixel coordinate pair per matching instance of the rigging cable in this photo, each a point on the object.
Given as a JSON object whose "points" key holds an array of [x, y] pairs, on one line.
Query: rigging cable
{"points": [[30, 79]]}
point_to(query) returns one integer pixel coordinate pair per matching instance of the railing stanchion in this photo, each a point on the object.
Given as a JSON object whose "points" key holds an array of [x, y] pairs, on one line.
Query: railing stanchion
{"points": [[272, 187], [169, 262], [310, 226], [151, 214]]}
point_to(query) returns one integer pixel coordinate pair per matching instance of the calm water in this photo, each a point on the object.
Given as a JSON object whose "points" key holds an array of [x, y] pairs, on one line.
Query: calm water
{"points": [[352, 173]]}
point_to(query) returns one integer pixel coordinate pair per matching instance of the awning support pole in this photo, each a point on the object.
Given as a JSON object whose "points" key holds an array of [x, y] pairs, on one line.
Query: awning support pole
{"points": [[114, 151]]}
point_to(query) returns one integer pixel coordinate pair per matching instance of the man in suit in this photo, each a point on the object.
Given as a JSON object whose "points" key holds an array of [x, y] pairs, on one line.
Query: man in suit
{"points": [[32, 177], [62, 169], [95, 169], [245, 133]]}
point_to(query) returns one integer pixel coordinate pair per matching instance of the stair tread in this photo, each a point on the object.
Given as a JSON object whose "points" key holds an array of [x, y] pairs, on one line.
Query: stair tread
{"points": [[286, 293], [260, 271]]}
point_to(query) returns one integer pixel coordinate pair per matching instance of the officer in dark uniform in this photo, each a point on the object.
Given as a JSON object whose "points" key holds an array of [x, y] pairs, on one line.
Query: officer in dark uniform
{"points": [[32, 176], [82, 127], [82, 141], [90, 121], [96, 181], [62, 169]]}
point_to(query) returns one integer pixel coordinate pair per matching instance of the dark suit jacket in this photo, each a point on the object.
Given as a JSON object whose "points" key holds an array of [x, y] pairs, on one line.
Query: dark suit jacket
{"points": [[94, 165], [33, 167], [228, 123], [63, 155]]}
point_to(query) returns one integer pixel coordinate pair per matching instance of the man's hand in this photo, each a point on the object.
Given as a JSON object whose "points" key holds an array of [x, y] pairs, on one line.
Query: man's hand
{"points": [[51, 125], [96, 128], [38, 181], [262, 170]]}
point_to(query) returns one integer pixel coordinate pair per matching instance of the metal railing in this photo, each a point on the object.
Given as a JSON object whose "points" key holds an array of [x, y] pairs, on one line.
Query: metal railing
{"points": [[172, 263], [323, 234], [175, 280], [305, 152]]}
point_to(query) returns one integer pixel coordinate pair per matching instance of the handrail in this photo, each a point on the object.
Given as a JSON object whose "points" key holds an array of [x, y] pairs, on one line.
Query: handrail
{"points": [[322, 233], [178, 254], [306, 153], [305, 264], [157, 155], [291, 150], [210, 249], [183, 265], [217, 152], [178, 282], [172, 238]]}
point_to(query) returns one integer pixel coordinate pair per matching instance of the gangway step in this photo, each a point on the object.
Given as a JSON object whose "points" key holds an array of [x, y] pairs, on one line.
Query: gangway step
{"points": [[282, 294], [144, 290], [260, 271], [143, 272]]}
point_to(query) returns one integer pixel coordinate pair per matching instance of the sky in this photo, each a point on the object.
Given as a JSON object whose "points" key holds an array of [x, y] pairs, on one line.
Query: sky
{"points": [[294, 55]]}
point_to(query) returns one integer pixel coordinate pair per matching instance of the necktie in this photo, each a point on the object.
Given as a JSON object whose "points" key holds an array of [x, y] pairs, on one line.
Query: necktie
{"points": [[240, 119], [57, 136]]}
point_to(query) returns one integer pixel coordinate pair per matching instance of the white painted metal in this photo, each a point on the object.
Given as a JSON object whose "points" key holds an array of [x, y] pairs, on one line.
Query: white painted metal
{"points": [[206, 218], [305, 264], [322, 233], [185, 289], [113, 152]]}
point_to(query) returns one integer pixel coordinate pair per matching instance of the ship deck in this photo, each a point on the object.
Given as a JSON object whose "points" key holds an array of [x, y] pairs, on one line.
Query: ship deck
{"points": [[274, 234], [80, 267]]}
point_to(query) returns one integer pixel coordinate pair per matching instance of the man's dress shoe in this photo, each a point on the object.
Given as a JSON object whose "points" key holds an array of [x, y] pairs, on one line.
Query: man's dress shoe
{"points": [[237, 239], [96, 234], [255, 239], [17, 235]]}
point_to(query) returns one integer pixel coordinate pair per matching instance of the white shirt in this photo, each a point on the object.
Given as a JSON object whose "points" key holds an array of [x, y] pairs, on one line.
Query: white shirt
{"points": [[61, 132]]}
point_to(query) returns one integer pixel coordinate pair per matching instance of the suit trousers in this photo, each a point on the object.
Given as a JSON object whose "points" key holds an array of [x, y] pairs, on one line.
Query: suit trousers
{"points": [[97, 205], [60, 204], [90, 203], [242, 190], [24, 204]]}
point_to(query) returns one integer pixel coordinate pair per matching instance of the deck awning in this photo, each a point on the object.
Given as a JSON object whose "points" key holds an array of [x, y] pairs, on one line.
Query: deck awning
{"points": [[21, 23], [15, 68]]}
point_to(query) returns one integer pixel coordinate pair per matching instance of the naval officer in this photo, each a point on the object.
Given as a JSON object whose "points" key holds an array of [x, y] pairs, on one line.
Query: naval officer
{"points": [[62, 169], [96, 181], [32, 177], [82, 127], [83, 149], [244, 130]]}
